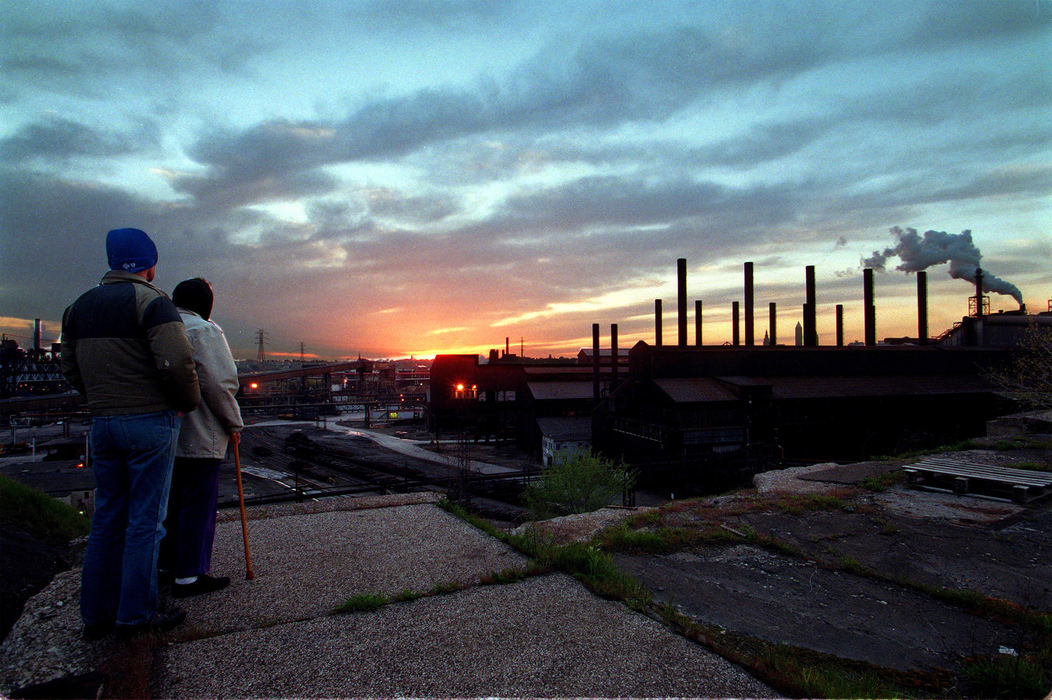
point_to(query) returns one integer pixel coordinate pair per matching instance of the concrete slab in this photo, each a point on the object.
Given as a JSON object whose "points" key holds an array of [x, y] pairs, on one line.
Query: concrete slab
{"points": [[275, 636], [306, 564], [545, 636]]}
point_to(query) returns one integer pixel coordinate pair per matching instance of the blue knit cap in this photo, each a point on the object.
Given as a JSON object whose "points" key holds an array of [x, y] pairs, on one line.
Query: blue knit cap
{"points": [[130, 249]]}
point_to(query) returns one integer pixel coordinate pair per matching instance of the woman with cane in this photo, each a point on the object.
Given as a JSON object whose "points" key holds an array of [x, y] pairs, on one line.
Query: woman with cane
{"points": [[186, 552]]}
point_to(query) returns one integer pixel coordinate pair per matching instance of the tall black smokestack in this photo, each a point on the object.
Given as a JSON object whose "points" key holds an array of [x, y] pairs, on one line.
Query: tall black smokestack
{"points": [[735, 339], [810, 323], [613, 356], [36, 336], [773, 311], [657, 323], [870, 310], [922, 307], [697, 322], [978, 292], [595, 362], [749, 340], [840, 325], [681, 275]]}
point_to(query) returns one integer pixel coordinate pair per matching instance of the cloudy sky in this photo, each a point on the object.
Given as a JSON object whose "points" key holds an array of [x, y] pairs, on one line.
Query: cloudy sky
{"points": [[413, 177]]}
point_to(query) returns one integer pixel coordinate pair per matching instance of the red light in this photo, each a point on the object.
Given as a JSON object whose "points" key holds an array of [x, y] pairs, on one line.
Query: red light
{"points": [[253, 385]]}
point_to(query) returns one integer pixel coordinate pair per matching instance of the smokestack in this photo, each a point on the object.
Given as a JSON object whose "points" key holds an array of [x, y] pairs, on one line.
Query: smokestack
{"points": [[595, 362], [697, 322], [735, 340], [810, 323], [749, 340], [657, 322], [773, 313], [681, 274], [869, 309], [922, 307], [507, 346], [840, 325], [978, 292], [613, 356], [36, 336]]}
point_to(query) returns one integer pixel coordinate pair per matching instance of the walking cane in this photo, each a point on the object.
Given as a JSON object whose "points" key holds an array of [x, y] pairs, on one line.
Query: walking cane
{"points": [[241, 499]]}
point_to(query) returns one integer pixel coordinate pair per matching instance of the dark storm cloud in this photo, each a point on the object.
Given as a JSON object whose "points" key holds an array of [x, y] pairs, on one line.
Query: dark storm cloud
{"points": [[956, 22], [603, 81], [59, 138], [426, 14], [1034, 181], [597, 82], [51, 225], [95, 49], [417, 209]]}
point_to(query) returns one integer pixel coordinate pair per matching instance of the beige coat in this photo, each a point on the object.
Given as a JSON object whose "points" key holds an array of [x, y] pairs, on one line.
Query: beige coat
{"points": [[206, 430]]}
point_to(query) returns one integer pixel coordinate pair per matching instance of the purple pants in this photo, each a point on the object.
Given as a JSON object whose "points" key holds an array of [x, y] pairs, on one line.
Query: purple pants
{"points": [[191, 523]]}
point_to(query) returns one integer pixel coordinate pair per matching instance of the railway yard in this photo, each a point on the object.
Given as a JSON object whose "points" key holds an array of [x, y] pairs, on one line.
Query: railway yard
{"points": [[296, 461]]}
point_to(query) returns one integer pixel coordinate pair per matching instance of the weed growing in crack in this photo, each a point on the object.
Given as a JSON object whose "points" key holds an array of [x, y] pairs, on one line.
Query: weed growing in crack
{"points": [[363, 602]]}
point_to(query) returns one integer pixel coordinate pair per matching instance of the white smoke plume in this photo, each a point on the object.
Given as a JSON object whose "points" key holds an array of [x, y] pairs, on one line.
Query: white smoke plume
{"points": [[918, 252]]}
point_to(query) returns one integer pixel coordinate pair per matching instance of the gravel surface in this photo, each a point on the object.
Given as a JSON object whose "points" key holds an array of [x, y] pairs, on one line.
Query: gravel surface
{"points": [[546, 636], [306, 565], [275, 635]]}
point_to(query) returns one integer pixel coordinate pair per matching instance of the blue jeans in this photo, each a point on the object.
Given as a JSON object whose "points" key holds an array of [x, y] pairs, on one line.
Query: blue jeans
{"points": [[132, 458]]}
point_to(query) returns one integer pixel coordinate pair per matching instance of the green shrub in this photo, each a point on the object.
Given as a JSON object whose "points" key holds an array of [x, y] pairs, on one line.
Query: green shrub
{"points": [[38, 513], [577, 482]]}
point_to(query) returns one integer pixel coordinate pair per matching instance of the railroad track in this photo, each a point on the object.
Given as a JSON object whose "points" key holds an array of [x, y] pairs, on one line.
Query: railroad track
{"points": [[331, 469]]}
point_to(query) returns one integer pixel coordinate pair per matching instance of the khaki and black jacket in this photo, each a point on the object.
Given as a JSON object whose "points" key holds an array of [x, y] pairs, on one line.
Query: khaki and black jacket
{"points": [[205, 431], [124, 348]]}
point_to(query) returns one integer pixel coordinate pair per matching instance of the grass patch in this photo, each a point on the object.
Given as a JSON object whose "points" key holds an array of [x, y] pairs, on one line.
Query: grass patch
{"points": [[445, 588], [506, 576], [406, 596], [810, 675], [883, 482], [798, 504], [662, 540], [1006, 676], [853, 566], [363, 602], [38, 513], [586, 562], [1032, 466]]}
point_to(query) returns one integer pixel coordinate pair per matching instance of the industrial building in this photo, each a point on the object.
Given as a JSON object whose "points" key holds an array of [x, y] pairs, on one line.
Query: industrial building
{"points": [[700, 417]]}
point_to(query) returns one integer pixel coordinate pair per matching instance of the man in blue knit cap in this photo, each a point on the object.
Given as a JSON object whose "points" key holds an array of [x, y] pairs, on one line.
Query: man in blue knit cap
{"points": [[124, 348]]}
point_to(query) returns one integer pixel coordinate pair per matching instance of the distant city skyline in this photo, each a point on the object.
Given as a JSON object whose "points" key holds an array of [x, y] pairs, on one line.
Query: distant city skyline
{"points": [[412, 178]]}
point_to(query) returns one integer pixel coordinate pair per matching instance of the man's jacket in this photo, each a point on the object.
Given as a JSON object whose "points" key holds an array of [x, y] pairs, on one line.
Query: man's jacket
{"points": [[206, 431], [125, 349]]}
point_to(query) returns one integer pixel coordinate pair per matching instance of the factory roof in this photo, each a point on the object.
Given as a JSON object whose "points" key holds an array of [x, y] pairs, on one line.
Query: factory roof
{"points": [[695, 389], [560, 390]]}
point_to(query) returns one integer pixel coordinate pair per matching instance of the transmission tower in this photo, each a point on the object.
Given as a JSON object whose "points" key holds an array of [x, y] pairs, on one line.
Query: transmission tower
{"points": [[261, 352]]}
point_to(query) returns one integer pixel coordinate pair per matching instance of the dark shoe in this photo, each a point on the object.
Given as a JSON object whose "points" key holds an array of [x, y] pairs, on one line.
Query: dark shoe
{"points": [[203, 584], [96, 631], [161, 622], [165, 577]]}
